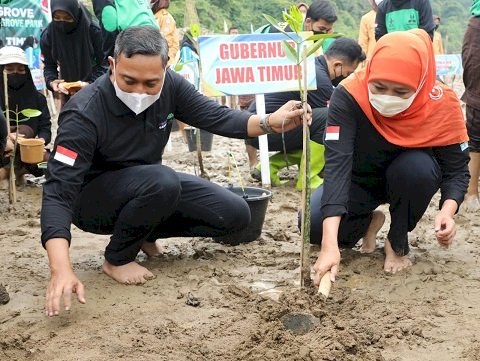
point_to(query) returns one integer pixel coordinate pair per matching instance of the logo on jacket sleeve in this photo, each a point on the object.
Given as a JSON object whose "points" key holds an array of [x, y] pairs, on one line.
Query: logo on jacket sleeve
{"points": [[65, 156], [332, 133]]}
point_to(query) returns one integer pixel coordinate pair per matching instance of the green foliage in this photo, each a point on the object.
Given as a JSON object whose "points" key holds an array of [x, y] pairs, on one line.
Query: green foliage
{"points": [[245, 14]]}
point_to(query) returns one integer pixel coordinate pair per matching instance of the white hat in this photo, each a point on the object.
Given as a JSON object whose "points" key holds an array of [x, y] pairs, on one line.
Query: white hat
{"points": [[12, 54], [378, 2]]}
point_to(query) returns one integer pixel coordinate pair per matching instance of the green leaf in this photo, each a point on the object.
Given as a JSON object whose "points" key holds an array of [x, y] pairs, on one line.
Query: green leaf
{"points": [[195, 30], [289, 51], [323, 36], [292, 22], [31, 113], [312, 48], [296, 14], [274, 23]]}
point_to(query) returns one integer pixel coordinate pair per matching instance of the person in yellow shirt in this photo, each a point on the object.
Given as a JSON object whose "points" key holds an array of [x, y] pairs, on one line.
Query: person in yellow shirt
{"points": [[168, 27], [366, 35], [437, 37]]}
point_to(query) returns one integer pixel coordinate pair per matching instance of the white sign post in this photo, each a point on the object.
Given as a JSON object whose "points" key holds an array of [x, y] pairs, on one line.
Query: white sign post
{"points": [[250, 64]]}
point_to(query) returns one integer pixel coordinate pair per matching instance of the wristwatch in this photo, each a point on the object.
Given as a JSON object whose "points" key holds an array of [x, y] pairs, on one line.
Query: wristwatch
{"points": [[264, 124]]}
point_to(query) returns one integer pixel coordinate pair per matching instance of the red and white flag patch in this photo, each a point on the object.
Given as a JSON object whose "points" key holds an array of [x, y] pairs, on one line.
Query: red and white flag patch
{"points": [[65, 155], [332, 133]]}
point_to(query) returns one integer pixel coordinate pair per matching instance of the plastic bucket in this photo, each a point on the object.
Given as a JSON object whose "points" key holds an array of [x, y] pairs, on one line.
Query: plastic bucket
{"points": [[31, 150], [206, 139], [257, 200]]}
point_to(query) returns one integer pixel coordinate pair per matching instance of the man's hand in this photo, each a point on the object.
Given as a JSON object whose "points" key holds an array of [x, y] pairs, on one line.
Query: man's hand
{"points": [[60, 288], [445, 228], [328, 260], [290, 116], [63, 281]]}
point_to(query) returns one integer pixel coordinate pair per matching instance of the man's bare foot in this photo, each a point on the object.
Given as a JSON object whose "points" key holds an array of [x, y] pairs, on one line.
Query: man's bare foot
{"points": [[130, 274], [471, 203], [394, 263], [152, 249], [369, 241]]}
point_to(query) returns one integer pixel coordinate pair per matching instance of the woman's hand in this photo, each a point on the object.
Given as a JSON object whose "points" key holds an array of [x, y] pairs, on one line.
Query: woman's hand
{"points": [[445, 228], [55, 85], [328, 260]]}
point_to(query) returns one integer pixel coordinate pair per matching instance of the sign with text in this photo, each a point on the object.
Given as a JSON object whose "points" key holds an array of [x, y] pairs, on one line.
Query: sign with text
{"points": [[449, 64], [250, 64]]}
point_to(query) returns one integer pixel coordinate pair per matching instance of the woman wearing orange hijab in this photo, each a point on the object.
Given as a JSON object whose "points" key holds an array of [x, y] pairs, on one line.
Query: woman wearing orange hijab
{"points": [[394, 135]]}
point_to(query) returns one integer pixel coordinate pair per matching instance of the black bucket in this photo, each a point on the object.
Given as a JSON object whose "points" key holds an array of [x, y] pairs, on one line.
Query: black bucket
{"points": [[206, 139], [257, 200], [175, 127]]}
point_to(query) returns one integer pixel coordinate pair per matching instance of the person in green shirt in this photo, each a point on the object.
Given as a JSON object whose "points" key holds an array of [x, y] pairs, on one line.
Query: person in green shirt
{"points": [[117, 15], [475, 9]]}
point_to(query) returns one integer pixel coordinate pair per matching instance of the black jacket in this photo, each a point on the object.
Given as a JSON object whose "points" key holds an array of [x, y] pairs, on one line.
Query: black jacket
{"points": [[361, 156], [99, 133]]}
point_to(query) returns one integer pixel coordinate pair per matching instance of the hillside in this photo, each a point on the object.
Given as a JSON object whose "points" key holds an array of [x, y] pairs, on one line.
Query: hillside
{"points": [[454, 15], [245, 14]]}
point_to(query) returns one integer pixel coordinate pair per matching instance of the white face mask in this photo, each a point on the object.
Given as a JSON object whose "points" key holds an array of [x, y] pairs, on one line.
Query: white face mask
{"points": [[389, 105], [136, 102]]}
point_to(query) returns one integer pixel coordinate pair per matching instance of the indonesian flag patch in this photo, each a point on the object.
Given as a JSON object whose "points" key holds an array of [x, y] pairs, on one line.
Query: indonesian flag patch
{"points": [[332, 133], [66, 156]]}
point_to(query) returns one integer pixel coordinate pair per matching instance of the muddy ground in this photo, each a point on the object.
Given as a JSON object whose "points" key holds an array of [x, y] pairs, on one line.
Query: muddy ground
{"points": [[215, 302]]}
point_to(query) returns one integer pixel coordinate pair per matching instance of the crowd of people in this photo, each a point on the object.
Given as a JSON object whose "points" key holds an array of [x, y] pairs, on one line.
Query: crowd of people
{"points": [[378, 116]]}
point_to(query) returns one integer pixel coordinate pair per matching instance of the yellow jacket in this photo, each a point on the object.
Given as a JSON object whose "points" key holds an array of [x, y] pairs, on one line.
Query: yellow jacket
{"points": [[437, 43], [168, 27], [366, 35]]}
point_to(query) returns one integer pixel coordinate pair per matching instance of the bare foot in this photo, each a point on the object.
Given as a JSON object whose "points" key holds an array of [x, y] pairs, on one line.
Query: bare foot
{"points": [[152, 249], [471, 203], [130, 274], [394, 263], [369, 241]]}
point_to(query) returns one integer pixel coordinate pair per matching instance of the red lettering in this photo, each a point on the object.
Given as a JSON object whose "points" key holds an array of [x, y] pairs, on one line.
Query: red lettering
{"points": [[272, 49], [223, 51], [253, 51], [234, 52], [244, 51], [261, 70], [262, 50], [234, 75]]}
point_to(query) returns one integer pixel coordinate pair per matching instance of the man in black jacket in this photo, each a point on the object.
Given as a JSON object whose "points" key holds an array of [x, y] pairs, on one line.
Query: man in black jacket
{"points": [[105, 173], [340, 60]]}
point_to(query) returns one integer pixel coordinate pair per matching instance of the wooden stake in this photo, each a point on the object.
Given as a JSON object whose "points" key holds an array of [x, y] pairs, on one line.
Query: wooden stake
{"points": [[12, 191], [325, 285], [305, 279], [198, 139]]}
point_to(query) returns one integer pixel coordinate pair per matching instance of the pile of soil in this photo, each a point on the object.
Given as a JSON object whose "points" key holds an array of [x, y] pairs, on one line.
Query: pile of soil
{"points": [[215, 302]]}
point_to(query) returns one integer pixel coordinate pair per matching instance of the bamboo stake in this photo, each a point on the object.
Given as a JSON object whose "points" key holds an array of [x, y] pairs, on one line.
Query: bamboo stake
{"points": [[12, 191], [198, 138], [305, 279]]}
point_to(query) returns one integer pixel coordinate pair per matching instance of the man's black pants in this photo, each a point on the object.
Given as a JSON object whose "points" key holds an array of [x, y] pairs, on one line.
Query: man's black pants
{"points": [[143, 203]]}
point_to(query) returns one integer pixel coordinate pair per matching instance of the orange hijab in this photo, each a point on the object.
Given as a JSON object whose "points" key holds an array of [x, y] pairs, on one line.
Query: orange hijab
{"points": [[435, 117]]}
